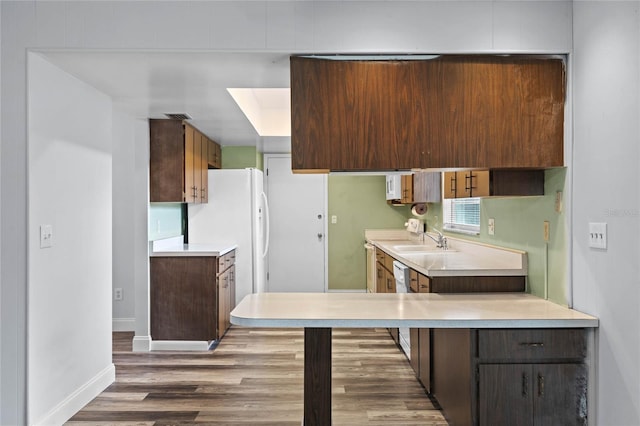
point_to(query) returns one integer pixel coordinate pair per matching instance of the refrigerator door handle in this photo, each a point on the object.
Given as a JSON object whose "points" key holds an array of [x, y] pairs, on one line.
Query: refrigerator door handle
{"points": [[266, 221]]}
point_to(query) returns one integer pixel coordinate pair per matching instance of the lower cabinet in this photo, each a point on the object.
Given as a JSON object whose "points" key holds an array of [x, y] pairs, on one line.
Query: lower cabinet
{"points": [[187, 301], [421, 339], [532, 394], [511, 376], [226, 292]]}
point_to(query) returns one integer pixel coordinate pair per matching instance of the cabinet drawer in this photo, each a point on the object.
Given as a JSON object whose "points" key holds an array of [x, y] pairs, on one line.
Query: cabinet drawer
{"points": [[532, 344], [226, 260], [380, 256]]}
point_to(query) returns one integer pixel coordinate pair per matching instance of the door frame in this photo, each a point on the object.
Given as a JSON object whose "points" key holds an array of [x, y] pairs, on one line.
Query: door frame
{"points": [[325, 209]]}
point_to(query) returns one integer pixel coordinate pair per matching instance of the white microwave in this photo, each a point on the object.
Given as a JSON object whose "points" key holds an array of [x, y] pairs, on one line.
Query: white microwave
{"points": [[394, 187]]}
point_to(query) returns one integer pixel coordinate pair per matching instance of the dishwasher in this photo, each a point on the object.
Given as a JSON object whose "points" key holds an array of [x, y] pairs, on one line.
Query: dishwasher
{"points": [[401, 273]]}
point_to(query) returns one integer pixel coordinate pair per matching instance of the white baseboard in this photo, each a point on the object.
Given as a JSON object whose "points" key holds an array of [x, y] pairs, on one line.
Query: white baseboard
{"points": [[179, 345], [124, 324], [78, 399], [141, 343]]}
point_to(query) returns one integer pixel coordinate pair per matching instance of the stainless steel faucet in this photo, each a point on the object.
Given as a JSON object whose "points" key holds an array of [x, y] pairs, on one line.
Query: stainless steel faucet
{"points": [[441, 241]]}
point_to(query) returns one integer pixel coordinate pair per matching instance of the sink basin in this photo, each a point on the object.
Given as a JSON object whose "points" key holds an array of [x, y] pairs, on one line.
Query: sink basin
{"points": [[415, 248]]}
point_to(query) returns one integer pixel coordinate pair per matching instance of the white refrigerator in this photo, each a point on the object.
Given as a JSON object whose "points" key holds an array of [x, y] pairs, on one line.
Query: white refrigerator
{"points": [[237, 213]]}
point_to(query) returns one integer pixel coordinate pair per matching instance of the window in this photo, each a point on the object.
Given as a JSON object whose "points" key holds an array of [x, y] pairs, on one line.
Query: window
{"points": [[461, 215]]}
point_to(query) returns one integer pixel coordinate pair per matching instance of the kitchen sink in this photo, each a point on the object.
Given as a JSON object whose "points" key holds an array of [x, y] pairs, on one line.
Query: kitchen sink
{"points": [[415, 248]]}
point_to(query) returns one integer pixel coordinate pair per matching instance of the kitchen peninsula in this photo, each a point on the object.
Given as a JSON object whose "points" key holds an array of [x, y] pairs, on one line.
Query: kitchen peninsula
{"points": [[192, 291], [318, 313]]}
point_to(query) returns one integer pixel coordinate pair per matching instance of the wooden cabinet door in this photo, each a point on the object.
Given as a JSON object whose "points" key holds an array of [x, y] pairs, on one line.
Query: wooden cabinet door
{"points": [[560, 396], [415, 359], [454, 111], [203, 168], [463, 184], [223, 303], [232, 290], [450, 184], [391, 282], [479, 183], [190, 187], [424, 350], [413, 283], [424, 284], [504, 395], [407, 189], [166, 161], [183, 298], [381, 283]]}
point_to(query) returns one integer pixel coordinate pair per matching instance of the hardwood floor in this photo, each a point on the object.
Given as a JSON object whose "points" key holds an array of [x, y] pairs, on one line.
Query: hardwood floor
{"points": [[255, 377]]}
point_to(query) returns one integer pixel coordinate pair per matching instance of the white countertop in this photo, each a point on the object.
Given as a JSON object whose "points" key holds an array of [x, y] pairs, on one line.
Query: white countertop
{"points": [[172, 247], [430, 310], [464, 258]]}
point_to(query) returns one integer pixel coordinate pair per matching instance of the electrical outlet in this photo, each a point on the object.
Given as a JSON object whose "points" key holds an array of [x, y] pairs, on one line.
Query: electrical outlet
{"points": [[558, 201], [334, 219], [117, 293], [491, 226], [598, 235], [547, 230], [46, 236]]}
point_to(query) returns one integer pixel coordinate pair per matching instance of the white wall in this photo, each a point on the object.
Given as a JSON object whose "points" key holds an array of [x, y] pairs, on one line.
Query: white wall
{"points": [[69, 286], [606, 159], [124, 235], [322, 26]]}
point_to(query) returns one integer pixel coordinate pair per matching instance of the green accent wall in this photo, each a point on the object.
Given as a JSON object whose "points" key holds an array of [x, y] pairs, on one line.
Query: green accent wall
{"points": [[359, 203], [165, 220], [519, 224], [241, 157]]}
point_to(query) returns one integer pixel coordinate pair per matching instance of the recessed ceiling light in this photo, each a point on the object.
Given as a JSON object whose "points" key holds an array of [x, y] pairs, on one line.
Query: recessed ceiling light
{"points": [[267, 109]]}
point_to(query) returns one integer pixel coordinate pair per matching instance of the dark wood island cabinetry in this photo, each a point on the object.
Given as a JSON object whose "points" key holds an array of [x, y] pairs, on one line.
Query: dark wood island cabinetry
{"points": [[492, 377], [191, 296]]}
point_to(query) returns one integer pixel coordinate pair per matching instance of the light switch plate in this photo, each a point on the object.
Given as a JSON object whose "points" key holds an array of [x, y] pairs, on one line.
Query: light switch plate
{"points": [[491, 226], [46, 236], [598, 235]]}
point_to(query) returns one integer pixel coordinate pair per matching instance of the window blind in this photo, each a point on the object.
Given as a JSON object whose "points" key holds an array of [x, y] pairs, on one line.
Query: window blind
{"points": [[462, 214]]}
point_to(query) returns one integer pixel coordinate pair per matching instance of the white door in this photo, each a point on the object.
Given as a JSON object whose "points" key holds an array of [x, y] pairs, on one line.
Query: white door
{"points": [[296, 261]]}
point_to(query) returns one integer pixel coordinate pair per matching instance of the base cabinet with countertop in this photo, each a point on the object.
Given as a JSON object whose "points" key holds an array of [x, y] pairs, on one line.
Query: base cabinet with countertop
{"points": [[491, 377], [441, 282], [191, 296]]}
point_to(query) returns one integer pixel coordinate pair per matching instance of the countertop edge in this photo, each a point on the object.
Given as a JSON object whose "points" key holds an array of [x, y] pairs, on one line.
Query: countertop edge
{"points": [[198, 251], [414, 323]]}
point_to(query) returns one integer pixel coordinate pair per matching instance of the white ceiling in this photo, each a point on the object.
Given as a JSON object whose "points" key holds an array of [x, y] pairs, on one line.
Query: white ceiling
{"points": [[150, 84]]}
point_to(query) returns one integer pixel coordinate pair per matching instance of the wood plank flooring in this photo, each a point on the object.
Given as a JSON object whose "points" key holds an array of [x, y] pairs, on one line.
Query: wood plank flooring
{"points": [[255, 377]]}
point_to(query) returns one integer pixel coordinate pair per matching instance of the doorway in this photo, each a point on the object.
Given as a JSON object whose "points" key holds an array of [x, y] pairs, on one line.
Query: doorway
{"points": [[296, 260]]}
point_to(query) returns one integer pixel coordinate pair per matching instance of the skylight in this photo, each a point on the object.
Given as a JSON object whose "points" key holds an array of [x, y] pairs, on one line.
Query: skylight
{"points": [[268, 110]]}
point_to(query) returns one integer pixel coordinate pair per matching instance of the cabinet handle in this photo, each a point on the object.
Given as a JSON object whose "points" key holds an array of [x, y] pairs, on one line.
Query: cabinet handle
{"points": [[195, 192], [388, 284], [468, 178], [540, 385], [525, 384], [379, 273], [532, 344], [203, 193]]}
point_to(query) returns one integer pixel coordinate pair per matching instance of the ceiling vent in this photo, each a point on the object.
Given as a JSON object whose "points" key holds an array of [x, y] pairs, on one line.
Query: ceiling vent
{"points": [[179, 116]]}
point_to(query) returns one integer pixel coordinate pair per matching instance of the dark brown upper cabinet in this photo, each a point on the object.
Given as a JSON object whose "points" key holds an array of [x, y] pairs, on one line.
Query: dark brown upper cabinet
{"points": [[492, 112]]}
